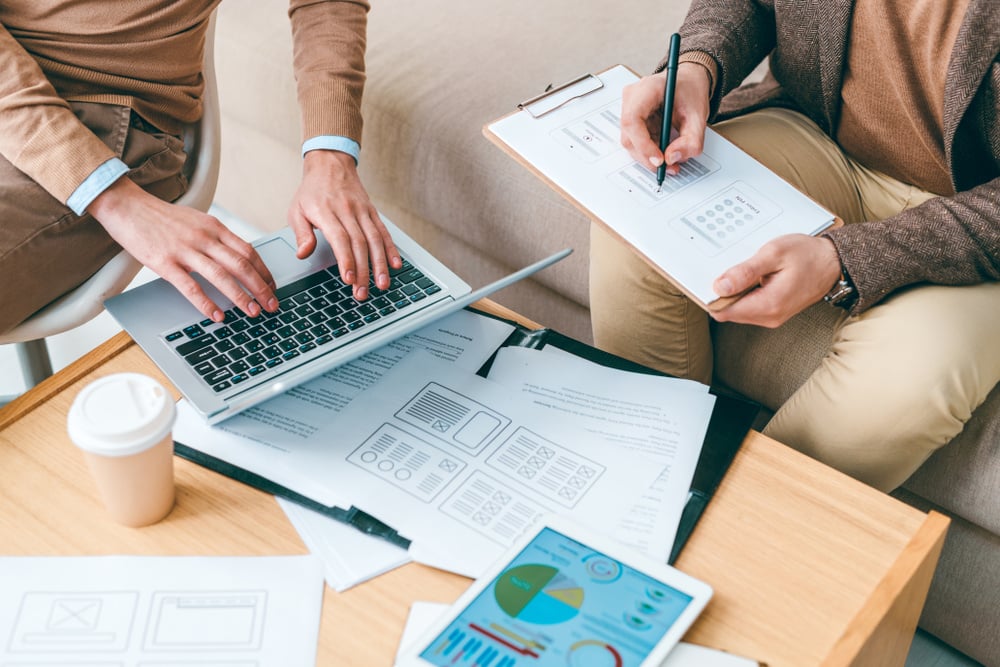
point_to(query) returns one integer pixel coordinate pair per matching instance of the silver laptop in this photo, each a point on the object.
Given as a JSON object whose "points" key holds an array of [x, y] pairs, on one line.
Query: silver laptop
{"points": [[224, 368]]}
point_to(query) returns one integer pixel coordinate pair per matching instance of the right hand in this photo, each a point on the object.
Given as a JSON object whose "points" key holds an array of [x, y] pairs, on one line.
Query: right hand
{"points": [[642, 109], [175, 241]]}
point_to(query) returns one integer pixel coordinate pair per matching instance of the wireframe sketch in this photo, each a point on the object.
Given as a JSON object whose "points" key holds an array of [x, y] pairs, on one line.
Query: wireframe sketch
{"points": [[204, 620], [73, 622]]}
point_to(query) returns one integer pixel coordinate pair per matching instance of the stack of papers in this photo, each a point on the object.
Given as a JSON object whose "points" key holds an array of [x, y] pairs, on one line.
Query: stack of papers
{"points": [[461, 465]]}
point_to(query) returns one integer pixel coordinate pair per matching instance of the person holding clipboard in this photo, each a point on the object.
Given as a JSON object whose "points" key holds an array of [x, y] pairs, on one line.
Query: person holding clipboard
{"points": [[901, 143]]}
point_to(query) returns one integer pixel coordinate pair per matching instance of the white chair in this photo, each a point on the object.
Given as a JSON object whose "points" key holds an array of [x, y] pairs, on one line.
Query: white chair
{"points": [[201, 142]]}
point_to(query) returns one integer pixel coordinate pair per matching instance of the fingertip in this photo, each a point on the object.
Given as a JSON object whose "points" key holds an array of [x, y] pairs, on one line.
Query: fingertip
{"points": [[724, 286]]}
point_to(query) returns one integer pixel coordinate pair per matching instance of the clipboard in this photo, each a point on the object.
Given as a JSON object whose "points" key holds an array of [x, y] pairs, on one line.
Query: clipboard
{"points": [[597, 200], [732, 418]]}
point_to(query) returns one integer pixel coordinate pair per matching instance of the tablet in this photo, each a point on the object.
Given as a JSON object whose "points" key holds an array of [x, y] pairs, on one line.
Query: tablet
{"points": [[564, 596]]}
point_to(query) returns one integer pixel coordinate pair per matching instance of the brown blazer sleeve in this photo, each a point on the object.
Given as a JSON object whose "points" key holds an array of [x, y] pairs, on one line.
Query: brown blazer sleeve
{"points": [[945, 241], [39, 134], [328, 38], [737, 34]]}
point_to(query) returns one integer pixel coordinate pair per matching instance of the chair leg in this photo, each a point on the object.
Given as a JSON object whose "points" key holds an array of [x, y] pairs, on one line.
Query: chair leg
{"points": [[35, 362]]}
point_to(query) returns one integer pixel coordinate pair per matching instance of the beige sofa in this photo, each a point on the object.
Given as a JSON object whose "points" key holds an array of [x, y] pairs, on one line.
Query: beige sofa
{"points": [[438, 71]]}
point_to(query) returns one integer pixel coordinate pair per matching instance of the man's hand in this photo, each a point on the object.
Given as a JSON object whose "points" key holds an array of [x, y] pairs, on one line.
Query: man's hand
{"points": [[786, 276], [332, 200], [175, 241], [642, 109]]}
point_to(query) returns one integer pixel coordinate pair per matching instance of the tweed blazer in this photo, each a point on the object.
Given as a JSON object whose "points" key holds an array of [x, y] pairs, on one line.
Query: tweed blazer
{"points": [[948, 240]]}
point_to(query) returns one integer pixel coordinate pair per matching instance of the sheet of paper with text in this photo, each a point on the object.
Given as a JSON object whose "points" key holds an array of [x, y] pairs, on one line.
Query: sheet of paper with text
{"points": [[720, 208]]}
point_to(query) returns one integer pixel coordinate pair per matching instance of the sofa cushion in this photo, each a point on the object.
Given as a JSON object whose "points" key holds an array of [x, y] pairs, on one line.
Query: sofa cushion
{"points": [[426, 104]]}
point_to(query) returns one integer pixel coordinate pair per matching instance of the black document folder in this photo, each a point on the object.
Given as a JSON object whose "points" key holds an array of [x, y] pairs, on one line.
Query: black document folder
{"points": [[731, 419]]}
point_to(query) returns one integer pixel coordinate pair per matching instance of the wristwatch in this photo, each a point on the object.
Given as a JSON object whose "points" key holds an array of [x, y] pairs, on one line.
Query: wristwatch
{"points": [[842, 294]]}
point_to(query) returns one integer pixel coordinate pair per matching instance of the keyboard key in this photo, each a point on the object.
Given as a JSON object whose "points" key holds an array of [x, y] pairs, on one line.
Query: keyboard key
{"points": [[257, 331], [304, 337], [254, 346], [388, 310], [317, 318], [238, 353], [271, 363], [418, 296], [223, 332], [308, 346], [301, 284], [239, 366], [302, 325], [207, 322], [236, 379], [409, 290], [323, 340], [199, 356], [222, 386], [171, 337], [317, 291], [184, 349], [193, 331], [239, 325], [319, 330], [272, 324], [286, 332], [291, 354], [403, 303], [256, 359], [333, 311], [288, 345], [424, 283], [300, 299], [342, 331], [218, 376], [221, 360], [225, 345], [354, 326], [288, 317], [433, 289], [271, 339], [366, 309], [241, 338], [271, 352], [204, 368], [256, 370], [410, 276], [351, 316], [372, 317]]}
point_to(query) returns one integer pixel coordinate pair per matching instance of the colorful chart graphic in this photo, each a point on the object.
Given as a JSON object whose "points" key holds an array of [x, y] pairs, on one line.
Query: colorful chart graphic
{"points": [[593, 653], [538, 594], [602, 570]]}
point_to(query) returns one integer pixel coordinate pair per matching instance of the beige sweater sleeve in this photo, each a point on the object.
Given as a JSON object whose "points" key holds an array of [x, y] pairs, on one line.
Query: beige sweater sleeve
{"points": [[328, 38], [39, 134]]}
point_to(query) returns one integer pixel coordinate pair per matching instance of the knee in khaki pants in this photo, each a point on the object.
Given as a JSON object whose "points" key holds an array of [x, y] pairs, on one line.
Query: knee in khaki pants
{"points": [[639, 315]]}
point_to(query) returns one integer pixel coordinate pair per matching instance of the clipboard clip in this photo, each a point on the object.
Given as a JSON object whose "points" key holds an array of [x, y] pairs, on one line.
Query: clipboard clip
{"points": [[553, 98]]}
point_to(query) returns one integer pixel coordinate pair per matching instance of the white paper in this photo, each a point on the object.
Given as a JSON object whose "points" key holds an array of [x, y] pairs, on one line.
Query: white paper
{"points": [[106, 611], [423, 614], [664, 419], [461, 465], [349, 556], [263, 438], [716, 213]]}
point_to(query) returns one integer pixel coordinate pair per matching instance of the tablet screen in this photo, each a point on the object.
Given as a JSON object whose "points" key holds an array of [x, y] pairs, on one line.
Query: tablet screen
{"points": [[559, 602]]}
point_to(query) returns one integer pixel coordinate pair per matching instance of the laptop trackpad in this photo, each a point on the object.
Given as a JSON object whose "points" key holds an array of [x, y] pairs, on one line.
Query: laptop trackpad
{"points": [[279, 256]]}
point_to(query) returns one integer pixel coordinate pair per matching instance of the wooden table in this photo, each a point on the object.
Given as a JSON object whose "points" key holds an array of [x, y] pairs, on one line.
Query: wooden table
{"points": [[809, 566]]}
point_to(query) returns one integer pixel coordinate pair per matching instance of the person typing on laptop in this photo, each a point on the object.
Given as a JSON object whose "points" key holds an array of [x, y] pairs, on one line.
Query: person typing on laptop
{"points": [[93, 97]]}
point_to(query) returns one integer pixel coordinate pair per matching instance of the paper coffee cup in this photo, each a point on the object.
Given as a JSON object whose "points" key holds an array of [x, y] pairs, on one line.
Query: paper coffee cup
{"points": [[123, 424]]}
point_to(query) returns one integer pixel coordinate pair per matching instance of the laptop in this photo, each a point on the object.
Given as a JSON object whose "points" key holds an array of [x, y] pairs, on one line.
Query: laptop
{"points": [[224, 368]]}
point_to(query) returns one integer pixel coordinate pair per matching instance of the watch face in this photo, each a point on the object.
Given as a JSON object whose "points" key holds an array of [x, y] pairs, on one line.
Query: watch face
{"points": [[842, 295]]}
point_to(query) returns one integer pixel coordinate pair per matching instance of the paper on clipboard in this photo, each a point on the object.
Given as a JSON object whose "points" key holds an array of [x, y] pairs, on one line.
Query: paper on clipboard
{"points": [[720, 208]]}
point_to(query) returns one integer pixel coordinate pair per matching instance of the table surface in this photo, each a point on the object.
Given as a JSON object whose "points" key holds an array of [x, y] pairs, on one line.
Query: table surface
{"points": [[809, 566]]}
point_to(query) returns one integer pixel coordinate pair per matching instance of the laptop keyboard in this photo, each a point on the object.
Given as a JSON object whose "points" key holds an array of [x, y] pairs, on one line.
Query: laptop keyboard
{"points": [[314, 311]]}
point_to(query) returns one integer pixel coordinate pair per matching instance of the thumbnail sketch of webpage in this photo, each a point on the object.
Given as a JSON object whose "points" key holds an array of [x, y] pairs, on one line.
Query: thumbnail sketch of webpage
{"points": [[268, 439], [664, 419], [136, 611], [461, 465], [720, 208]]}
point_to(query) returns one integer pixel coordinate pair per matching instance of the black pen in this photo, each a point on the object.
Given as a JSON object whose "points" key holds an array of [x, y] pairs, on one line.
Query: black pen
{"points": [[668, 104]]}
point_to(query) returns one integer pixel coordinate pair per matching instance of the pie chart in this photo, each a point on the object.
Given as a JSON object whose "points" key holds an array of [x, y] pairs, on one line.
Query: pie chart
{"points": [[538, 594]]}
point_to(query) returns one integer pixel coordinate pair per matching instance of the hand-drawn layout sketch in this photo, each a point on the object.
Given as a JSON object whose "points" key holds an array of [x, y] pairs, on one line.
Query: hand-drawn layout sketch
{"points": [[122, 611]]}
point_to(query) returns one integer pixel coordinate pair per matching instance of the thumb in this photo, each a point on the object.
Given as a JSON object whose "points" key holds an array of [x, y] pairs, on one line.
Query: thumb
{"points": [[737, 280], [305, 238]]}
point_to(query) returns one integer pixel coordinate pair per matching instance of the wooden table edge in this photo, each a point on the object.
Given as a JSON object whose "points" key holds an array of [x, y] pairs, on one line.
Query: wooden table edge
{"points": [[889, 617]]}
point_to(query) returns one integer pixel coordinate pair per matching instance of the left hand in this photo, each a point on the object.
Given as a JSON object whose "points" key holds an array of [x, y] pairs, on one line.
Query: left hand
{"points": [[332, 200], [790, 273]]}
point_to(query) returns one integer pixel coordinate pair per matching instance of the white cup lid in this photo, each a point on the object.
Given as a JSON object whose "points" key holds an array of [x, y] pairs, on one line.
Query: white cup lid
{"points": [[121, 414]]}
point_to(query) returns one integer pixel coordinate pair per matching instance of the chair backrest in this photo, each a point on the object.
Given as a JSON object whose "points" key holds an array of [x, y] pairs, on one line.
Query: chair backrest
{"points": [[201, 142]]}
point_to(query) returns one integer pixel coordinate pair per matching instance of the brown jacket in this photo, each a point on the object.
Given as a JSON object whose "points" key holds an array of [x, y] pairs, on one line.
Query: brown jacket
{"points": [[147, 55], [948, 240]]}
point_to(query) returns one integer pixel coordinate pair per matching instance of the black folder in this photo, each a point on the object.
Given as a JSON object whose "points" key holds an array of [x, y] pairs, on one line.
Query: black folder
{"points": [[731, 419]]}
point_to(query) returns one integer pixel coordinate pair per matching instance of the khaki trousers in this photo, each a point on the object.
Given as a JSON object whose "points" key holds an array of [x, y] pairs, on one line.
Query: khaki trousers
{"points": [[45, 249], [897, 382]]}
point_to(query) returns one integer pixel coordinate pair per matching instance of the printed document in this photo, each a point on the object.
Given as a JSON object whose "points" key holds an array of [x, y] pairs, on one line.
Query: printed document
{"points": [[720, 208], [662, 418], [128, 610], [264, 439]]}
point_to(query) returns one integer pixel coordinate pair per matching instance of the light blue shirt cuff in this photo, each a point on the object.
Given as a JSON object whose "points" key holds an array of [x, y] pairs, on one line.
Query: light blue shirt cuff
{"points": [[98, 181], [330, 142]]}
